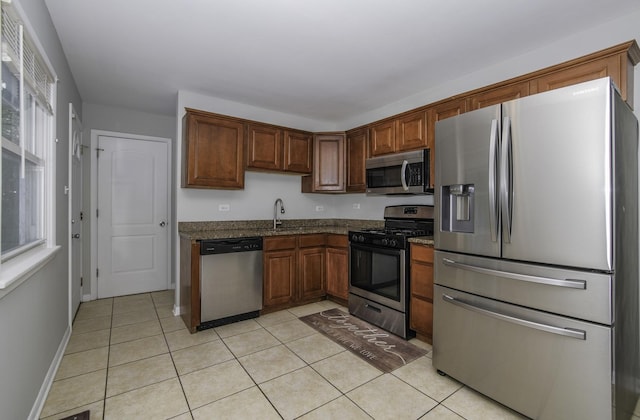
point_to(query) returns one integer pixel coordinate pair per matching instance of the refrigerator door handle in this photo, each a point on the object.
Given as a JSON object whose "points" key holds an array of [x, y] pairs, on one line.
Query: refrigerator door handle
{"points": [[567, 332], [569, 283], [403, 176], [505, 179], [493, 199]]}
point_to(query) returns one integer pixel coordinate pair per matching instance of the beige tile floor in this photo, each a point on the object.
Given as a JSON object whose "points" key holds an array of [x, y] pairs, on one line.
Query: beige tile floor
{"points": [[130, 358]]}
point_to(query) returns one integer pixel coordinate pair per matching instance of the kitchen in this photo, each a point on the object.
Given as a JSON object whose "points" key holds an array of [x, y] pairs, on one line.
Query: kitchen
{"points": [[197, 205]]}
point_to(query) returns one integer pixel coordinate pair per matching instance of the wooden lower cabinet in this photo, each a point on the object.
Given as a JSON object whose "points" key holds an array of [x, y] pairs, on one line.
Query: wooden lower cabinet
{"points": [[294, 270], [338, 267], [421, 303]]}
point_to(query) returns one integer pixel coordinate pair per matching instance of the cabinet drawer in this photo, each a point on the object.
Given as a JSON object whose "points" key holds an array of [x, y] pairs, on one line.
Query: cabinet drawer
{"points": [[305, 241], [338, 241], [421, 253], [279, 242]]}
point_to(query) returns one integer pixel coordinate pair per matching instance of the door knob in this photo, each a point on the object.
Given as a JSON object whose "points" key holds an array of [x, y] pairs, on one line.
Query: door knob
{"points": [[76, 236], [163, 223]]}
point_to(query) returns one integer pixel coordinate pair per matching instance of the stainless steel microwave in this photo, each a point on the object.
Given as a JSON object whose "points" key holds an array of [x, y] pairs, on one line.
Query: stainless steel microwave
{"points": [[399, 173]]}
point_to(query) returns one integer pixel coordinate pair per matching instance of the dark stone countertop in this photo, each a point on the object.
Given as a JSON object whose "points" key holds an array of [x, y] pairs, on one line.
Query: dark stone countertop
{"points": [[247, 228]]}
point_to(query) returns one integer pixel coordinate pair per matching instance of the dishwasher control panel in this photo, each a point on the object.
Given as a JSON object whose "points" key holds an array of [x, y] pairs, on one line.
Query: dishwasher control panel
{"points": [[225, 246]]}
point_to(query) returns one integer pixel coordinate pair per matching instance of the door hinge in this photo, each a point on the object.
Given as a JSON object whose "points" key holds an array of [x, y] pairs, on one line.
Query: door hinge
{"points": [[81, 215], [97, 272], [81, 281], [97, 213], [98, 150]]}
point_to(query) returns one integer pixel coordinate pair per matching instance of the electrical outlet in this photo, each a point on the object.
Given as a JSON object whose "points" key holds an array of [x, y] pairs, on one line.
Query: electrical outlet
{"points": [[223, 207], [319, 208], [356, 206]]}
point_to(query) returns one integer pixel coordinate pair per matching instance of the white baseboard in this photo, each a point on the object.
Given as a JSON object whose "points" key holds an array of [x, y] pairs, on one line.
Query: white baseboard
{"points": [[38, 405], [176, 310], [86, 298]]}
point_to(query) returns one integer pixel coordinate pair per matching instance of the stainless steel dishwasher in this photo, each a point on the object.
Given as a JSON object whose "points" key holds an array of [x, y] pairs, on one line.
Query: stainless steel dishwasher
{"points": [[230, 280]]}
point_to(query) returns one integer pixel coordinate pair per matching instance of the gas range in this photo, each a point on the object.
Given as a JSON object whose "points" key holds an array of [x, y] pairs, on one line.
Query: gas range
{"points": [[401, 223]]}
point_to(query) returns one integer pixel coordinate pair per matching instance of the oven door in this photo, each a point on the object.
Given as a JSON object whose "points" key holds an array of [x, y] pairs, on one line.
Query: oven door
{"points": [[378, 274]]}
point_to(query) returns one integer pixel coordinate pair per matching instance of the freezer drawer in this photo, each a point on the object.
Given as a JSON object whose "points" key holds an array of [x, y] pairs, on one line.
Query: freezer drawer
{"points": [[541, 365], [578, 294]]}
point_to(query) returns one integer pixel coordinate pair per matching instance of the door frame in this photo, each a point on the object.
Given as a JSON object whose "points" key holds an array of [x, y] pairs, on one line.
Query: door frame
{"points": [[72, 191], [95, 134]]}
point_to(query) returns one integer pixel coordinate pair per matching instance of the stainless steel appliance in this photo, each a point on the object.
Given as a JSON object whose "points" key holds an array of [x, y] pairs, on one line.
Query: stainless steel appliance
{"points": [[399, 173], [379, 267], [536, 262], [230, 280]]}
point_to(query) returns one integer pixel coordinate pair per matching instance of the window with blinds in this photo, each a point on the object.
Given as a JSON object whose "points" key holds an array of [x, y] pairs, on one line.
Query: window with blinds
{"points": [[28, 103]]}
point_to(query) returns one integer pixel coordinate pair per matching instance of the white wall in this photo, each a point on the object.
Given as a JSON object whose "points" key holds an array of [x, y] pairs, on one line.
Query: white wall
{"points": [[34, 316]]}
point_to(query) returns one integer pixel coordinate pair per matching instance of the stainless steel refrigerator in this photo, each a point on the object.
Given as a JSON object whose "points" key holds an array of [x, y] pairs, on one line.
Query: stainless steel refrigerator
{"points": [[536, 262]]}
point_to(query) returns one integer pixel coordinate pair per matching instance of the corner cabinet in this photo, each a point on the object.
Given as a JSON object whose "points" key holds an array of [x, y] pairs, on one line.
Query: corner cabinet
{"points": [[328, 174], [357, 153], [421, 301], [213, 151]]}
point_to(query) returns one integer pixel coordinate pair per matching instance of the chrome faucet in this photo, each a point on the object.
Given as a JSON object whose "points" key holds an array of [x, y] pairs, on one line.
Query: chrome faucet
{"points": [[276, 221]]}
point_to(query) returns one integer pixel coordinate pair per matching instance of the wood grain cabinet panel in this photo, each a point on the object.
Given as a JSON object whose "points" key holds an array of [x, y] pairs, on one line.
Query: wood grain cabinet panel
{"points": [[311, 272], [328, 174], [411, 131], [382, 138], [279, 277], [421, 291], [338, 267], [298, 151], [357, 153], [497, 96], [264, 147], [213, 150]]}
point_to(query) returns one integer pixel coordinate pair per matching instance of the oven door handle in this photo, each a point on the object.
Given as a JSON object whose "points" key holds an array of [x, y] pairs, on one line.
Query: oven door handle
{"points": [[566, 332], [569, 283], [403, 175]]}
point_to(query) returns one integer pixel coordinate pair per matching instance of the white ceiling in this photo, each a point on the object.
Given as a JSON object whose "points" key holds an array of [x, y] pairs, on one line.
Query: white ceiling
{"points": [[322, 59]]}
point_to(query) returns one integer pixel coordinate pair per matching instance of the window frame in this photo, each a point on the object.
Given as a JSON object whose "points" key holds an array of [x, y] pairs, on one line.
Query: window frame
{"points": [[18, 265]]}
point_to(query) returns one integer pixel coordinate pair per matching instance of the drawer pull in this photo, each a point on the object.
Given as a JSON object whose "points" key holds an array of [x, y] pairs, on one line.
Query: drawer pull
{"points": [[569, 283], [566, 332]]}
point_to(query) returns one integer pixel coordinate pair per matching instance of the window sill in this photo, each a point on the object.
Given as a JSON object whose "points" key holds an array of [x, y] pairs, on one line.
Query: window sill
{"points": [[15, 271]]}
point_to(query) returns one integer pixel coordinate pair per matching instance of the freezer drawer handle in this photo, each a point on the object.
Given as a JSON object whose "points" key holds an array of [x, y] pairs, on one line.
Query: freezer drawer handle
{"points": [[572, 284], [567, 332]]}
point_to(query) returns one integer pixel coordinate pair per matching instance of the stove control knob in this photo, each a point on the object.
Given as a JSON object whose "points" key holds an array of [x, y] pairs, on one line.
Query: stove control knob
{"points": [[393, 243], [354, 238], [385, 242], [361, 238]]}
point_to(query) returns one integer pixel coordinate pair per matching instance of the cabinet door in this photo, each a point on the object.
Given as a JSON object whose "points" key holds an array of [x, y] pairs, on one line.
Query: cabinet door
{"points": [[608, 66], [298, 151], [264, 147], [382, 138], [498, 95], [412, 131], [338, 272], [213, 151], [279, 277], [328, 164], [311, 272], [421, 304], [357, 146]]}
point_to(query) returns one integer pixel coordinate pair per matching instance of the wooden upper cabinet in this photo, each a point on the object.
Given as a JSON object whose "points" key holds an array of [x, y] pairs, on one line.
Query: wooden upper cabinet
{"points": [[498, 95], [411, 131], [213, 151], [357, 148], [278, 149], [328, 173], [382, 138], [264, 147], [298, 151]]}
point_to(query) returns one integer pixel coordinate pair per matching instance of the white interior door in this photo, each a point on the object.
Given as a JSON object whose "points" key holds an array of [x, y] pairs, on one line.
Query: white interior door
{"points": [[75, 211], [132, 217]]}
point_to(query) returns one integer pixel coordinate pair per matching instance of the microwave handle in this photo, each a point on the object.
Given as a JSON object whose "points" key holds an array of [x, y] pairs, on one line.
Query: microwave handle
{"points": [[403, 176]]}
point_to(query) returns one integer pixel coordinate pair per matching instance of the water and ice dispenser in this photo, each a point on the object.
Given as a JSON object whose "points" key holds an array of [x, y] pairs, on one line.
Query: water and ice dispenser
{"points": [[457, 208]]}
